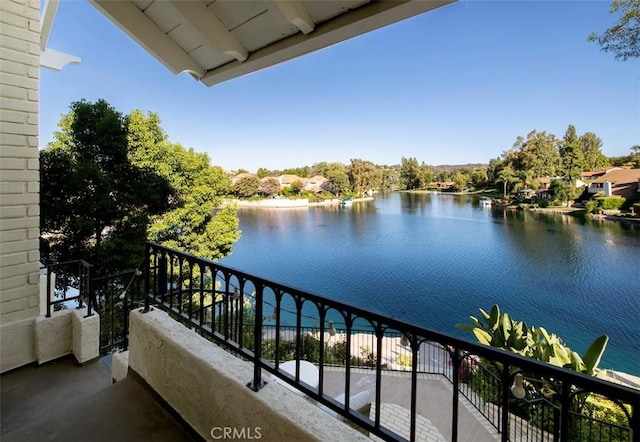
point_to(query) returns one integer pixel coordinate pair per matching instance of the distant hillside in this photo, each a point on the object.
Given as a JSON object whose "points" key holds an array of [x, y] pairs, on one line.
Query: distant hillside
{"points": [[460, 166]]}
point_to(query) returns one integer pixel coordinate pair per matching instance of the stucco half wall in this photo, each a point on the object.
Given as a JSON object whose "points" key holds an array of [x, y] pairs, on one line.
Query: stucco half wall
{"points": [[207, 386]]}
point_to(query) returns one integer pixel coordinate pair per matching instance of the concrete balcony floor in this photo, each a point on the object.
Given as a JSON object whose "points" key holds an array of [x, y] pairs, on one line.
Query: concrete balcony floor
{"points": [[62, 401], [434, 404]]}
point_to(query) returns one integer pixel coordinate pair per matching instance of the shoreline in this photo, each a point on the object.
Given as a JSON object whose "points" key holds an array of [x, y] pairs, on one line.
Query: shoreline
{"points": [[283, 203]]}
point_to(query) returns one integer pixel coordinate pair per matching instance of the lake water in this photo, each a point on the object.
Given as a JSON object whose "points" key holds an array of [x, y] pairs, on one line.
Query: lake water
{"points": [[433, 260]]}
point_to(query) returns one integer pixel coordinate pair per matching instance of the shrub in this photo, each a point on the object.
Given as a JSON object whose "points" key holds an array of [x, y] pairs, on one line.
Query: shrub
{"points": [[610, 203], [404, 361], [591, 206]]}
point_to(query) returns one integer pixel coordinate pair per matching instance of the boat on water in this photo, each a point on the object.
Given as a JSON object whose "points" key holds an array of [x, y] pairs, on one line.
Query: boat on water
{"points": [[485, 201], [346, 201]]}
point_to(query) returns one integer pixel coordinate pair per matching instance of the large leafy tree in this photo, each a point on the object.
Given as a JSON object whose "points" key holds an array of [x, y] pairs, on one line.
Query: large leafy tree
{"points": [[195, 224], [591, 146], [246, 186], [427, 175], [571, 154], [623, 38], [538, 153], [506, 176], [336, 173], [363, 176], [95, 204], [410, 173]]}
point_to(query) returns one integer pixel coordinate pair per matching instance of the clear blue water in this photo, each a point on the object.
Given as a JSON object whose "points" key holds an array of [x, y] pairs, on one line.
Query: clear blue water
{"points": [[434, 260]]}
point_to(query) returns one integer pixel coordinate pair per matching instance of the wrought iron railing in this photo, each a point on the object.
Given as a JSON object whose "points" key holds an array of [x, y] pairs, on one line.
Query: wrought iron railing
{"points": [[268, 323], [68, 282], [114, 297]]}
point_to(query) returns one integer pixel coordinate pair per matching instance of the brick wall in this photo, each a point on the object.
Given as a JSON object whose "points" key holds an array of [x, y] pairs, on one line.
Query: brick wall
{"points": [[19, 179]]}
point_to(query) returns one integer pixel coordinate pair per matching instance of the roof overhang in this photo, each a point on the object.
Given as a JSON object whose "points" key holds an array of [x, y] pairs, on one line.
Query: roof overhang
{"points": [[48, 57], [217, 40]]}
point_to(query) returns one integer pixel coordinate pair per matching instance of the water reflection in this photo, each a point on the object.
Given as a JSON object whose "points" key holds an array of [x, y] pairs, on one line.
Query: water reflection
{"points": [[434, 259]]}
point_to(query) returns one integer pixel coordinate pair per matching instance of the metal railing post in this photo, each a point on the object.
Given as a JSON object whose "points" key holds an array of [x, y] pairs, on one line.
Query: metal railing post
{"points": [[565, 402], [48, 291], [125, 321], [455, 365], [90, 295], [634, 423], [505, 380], [257, 383], [147, 277], [556, 424]]}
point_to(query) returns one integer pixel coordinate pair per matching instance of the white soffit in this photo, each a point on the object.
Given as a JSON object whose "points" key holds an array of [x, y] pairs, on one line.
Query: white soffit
{"points": [[217, 40]]}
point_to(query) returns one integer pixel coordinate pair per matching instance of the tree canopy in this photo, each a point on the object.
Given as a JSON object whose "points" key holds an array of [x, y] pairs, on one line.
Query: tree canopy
{"points": [[623, 38], [94, 201], [110, 182], [194, 225]]}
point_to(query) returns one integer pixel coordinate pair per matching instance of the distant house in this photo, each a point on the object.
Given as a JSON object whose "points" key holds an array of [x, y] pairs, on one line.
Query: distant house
{"points": [[445, 184], [313, 184], [544, 183], [526, 194], [287, 180], [593, 175], [624, 182]]}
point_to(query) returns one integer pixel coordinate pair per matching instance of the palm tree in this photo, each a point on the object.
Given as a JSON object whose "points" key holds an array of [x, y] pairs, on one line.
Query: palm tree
{"points": [[506, 175]]}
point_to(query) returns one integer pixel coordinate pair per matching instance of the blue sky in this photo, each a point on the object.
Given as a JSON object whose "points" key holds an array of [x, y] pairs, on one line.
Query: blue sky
{"points": [[455, 85]]}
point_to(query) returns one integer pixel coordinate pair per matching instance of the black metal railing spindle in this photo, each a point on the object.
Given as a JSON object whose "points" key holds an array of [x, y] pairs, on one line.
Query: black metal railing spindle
{"points": [[481, 374]]}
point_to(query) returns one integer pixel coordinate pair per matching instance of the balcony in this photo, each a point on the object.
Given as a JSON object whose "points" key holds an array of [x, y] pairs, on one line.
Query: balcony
{"points": [[199, 334]]}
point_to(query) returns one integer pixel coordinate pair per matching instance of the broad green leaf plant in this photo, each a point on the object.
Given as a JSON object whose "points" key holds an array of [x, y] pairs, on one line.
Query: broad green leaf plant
{"points": [[498, 329]]}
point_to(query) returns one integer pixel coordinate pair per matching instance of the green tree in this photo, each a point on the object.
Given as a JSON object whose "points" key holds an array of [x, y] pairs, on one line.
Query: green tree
{"points": [[338, 178], [195, 224], [591, 150], [96, 205], [571, 154], [246, 186], [296, 187], [495, 165], [558, 191], [410, 173], [479, 178], [389, 178], [538, 153], [427, 176], [506, 176], [319, 169], [263, 173], [363, 176], [623, 38], [460, 181], [527, 180]]}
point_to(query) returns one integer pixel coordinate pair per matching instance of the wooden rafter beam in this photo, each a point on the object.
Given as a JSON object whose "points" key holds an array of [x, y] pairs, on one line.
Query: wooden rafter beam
{"points": [[210, 28], [46, 22], [143, 30], [296, 14]]}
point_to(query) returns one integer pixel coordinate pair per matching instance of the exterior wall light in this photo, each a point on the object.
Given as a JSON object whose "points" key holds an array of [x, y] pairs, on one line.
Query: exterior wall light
{"points": [[404, 341], [517, 389], [332, 329]]}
